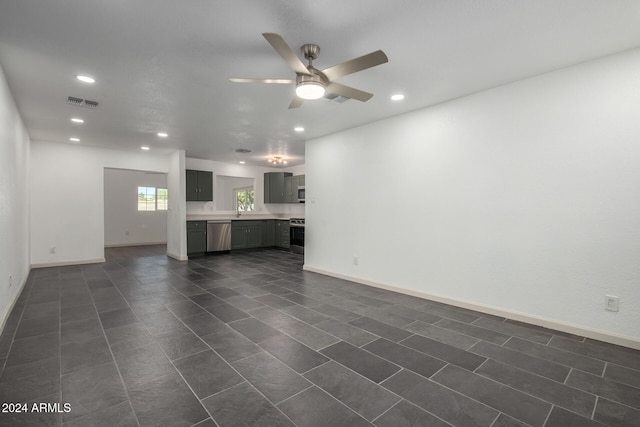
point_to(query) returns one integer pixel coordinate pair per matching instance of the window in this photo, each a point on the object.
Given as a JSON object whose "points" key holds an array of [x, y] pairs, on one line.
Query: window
{"points": [[162, 200], [244, 199], [153, 199]]}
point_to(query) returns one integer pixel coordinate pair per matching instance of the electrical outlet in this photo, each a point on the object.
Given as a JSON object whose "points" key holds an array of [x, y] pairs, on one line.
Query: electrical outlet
{"points": [[612, 303], [126, 233], [356, 260], [10, 280], [52, 250]]}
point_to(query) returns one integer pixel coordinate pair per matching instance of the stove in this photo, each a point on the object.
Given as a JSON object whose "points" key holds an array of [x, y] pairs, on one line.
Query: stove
{"points": [[296, 234], [296, 222]]}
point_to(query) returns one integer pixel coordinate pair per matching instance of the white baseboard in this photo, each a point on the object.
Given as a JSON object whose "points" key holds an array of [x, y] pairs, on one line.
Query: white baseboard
{"points": [[65, 263], [609, 337], [178, 257], [6, 315], [124, 245]]}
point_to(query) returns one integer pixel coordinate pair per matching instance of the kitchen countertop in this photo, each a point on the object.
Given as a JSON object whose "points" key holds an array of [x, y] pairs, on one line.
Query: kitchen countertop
{"points": [[245, 217]]}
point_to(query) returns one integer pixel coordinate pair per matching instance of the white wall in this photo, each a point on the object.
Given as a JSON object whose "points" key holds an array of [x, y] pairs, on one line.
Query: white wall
{"points": [[245, 171], [177, 214], [523, 199], [124, 224], [67, 198], [14, 201]]}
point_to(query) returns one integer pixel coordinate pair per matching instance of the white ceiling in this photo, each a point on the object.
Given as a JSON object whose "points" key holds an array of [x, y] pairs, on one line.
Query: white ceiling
{"points": [[163, 65]]}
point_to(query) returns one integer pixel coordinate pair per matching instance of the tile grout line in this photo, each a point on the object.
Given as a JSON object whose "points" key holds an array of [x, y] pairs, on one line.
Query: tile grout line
{"points": [[226, 324], [546, 420], [541, 398], [60, 344], [113, 359], [177, 371]]}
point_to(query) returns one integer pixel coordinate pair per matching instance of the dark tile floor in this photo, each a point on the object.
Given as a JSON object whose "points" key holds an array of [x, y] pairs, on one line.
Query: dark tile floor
{"points": [[250, 339]]}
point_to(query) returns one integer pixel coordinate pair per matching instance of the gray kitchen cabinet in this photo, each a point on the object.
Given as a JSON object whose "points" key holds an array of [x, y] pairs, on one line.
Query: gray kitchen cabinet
{"points": [[268, 232], [246, 234], [282, 234], [196, 238], [274, 186], [291, 184], [199, 186]]}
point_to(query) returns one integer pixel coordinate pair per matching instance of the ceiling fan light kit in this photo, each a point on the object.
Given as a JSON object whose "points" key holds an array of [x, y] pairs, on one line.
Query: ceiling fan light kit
{"points": [[312, 83], [309, 90]]}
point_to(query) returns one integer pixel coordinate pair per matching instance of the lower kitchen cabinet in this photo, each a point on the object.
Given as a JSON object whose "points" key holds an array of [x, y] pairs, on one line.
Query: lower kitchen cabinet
{"points": [[268, 233], [282, 234], [246, 234], [196, 238]]}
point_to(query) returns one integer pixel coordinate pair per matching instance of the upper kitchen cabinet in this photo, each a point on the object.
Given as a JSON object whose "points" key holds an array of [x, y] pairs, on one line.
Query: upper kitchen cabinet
{"points": [[291, 189], [199, 186], [274, 187]]}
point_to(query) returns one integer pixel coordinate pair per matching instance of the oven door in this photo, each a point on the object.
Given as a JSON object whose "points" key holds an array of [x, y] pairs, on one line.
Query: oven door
{"points": [[296, 241]]}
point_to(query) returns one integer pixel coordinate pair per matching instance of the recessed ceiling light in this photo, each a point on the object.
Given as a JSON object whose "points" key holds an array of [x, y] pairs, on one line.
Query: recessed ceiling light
{"points": [[397, 97], [163, 134], [74, 139], [145, 148], [242, 162], [299, 129], [77, 120], [86, 79]]}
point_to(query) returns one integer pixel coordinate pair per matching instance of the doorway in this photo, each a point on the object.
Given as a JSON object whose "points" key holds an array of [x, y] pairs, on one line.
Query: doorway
{"points": [[135, 208]]}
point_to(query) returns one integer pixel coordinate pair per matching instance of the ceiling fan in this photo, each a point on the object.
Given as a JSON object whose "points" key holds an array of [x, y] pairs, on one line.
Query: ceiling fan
{"points": [[312, 83]]}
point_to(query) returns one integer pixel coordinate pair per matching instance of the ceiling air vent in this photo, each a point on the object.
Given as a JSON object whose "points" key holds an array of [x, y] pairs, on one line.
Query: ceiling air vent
{"points": [[75, 101], [82, 102], [338, 99], [241, 150]]}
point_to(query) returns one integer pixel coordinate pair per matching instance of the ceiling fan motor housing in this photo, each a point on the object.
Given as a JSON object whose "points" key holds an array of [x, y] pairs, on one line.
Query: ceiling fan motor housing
{"points": [[316, 77], [310, 51]]}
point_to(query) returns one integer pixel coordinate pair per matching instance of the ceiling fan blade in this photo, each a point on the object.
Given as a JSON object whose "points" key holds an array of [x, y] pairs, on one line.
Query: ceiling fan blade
{"points": [[296, 102], [286, 53], [347, 91], [358, 64], [275, 81]]}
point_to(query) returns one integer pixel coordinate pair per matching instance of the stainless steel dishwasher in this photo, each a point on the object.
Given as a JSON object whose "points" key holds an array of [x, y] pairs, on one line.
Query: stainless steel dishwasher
{"points": [[218, 236]]}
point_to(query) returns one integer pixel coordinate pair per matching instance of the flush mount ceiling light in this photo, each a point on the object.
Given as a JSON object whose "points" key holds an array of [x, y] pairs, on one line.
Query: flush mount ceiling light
{"points": [[73, 139], [397, 97], [145, 148], [163, 134], [277, 160], [86, 79], [242, 162], [299, 129], [77, 120]]}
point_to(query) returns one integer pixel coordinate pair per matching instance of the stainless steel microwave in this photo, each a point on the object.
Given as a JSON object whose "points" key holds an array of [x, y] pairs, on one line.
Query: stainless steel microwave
{"points": [[301, 194]]}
